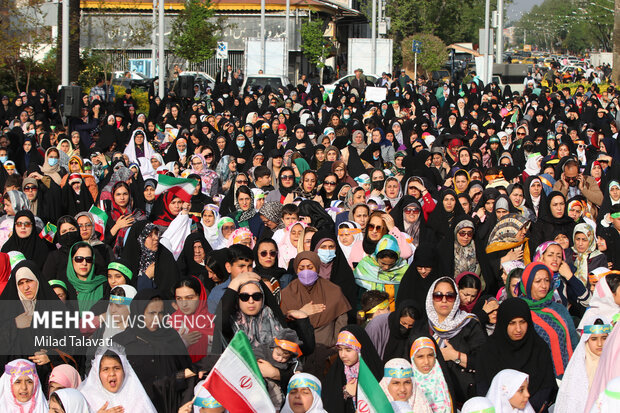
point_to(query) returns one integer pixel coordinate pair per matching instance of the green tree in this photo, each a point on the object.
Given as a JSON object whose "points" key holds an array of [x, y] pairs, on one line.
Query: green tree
{"points": [[316, 47], [195, 31], [23, 40], [433, 54]]}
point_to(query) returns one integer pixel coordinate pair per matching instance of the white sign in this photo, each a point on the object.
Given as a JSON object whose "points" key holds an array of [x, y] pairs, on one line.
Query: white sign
{"points": [[375, 94], [222, 50]]}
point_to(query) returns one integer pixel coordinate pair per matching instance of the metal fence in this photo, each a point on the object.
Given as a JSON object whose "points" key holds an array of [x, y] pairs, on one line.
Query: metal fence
{"points": [[211, 66]]}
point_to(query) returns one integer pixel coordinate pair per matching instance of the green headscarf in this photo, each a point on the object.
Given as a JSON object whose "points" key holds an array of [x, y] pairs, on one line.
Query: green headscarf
{"points": [[91, 290], [302, 166]]}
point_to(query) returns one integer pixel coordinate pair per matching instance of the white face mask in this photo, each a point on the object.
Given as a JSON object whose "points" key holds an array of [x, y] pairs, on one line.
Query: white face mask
{"points": [[509, 131]]}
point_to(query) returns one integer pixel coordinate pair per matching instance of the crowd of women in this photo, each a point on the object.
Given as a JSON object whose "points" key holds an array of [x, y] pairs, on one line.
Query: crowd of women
{"points": [[464, 241]]}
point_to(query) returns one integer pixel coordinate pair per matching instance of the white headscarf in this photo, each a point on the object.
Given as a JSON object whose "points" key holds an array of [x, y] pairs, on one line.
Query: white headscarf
{"points": [[504, 385], [8, 403], [478, 405], [608, 401], [357, 238], [454, 322], [433, 383], [305, 380], [212, 232], [602, 303], [401, 368], [25, 273], [73, 401], [576, 381], [113, 325], [131, 394]]}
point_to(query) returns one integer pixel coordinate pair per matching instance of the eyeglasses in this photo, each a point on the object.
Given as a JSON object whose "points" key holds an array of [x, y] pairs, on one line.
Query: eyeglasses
{"points": [[520, 133], [329, 183], [287, 177], [73, 163], [30, 188], [242, 182], [467, 234], [581, 146], [85, 225], [26, 224], [196, 163], [438, 297], [410, 211], [245, 297], [208, 155], [79, 259], [373, 227], [271, 253]]}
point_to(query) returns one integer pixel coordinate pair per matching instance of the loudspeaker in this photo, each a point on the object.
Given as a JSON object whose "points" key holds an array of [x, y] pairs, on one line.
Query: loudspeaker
{"points": [[186, 86], [70, 97]]}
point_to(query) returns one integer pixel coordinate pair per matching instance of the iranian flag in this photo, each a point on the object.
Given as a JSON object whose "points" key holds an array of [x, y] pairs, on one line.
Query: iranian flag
{"points": [[182, 188], [101, 219], [370, 396], [48, 232], [236, 381]]}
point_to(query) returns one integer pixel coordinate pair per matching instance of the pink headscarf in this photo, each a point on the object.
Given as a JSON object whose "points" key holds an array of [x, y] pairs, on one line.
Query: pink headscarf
{"points": [[65, 375], [608, 367]]}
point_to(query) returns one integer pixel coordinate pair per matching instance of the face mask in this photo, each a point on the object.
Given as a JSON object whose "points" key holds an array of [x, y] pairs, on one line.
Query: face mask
{"points": [[52, 161], [326, 256], [240, 144], [346, 116], [378, 185], [3, 159], [375, 157], [508, 131], [182, 153], [403, 330], [69, 238], [307, 277]]}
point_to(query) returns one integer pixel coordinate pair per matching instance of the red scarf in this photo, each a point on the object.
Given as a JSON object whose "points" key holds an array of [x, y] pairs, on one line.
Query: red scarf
{"points": [[200, 321], [166, 217]]}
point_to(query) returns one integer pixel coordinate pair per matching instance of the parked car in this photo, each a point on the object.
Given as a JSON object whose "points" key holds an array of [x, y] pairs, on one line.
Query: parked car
{"points": [[203, 78], [135, 80], [275, 81]]}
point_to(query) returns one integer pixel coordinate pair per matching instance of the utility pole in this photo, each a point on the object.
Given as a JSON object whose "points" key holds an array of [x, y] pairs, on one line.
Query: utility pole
{"points": [[162, 53], [288, 40], [262, 36], [65, 43], [615, 74], [500, 31], [154, 40], [373, 41], [487, 35]]}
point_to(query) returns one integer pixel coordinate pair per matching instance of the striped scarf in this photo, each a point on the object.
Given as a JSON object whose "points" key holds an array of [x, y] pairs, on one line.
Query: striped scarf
{"points": [[551, 320]]}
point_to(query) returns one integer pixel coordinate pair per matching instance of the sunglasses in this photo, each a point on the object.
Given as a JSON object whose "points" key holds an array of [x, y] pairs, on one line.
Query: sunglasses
{"points": [[271, 253], [23, 224], [79, 259], [286, 177], [243, 182], [30, 188], [329, 183], [245, 297], [372, 227], [438, 297], [467, 234], [520, 134], [208, 155], [410, 211]]}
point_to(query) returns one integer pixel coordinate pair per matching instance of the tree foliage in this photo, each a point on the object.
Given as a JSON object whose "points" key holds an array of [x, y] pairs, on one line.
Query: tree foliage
{"points": [[316, 47], [195, 31], [433, 54], [573, 26], [22, 42], [450, 20]]}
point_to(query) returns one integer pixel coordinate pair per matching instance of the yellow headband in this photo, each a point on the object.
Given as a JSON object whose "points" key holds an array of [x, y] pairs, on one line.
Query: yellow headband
{"points": [[381, 306]]}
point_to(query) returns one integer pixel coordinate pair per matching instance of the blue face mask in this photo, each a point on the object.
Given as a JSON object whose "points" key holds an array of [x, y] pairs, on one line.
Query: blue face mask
{"points": [[375, 157], [52, 161], [182, 153], [3, 159], [240, 144], [326, 256]]}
